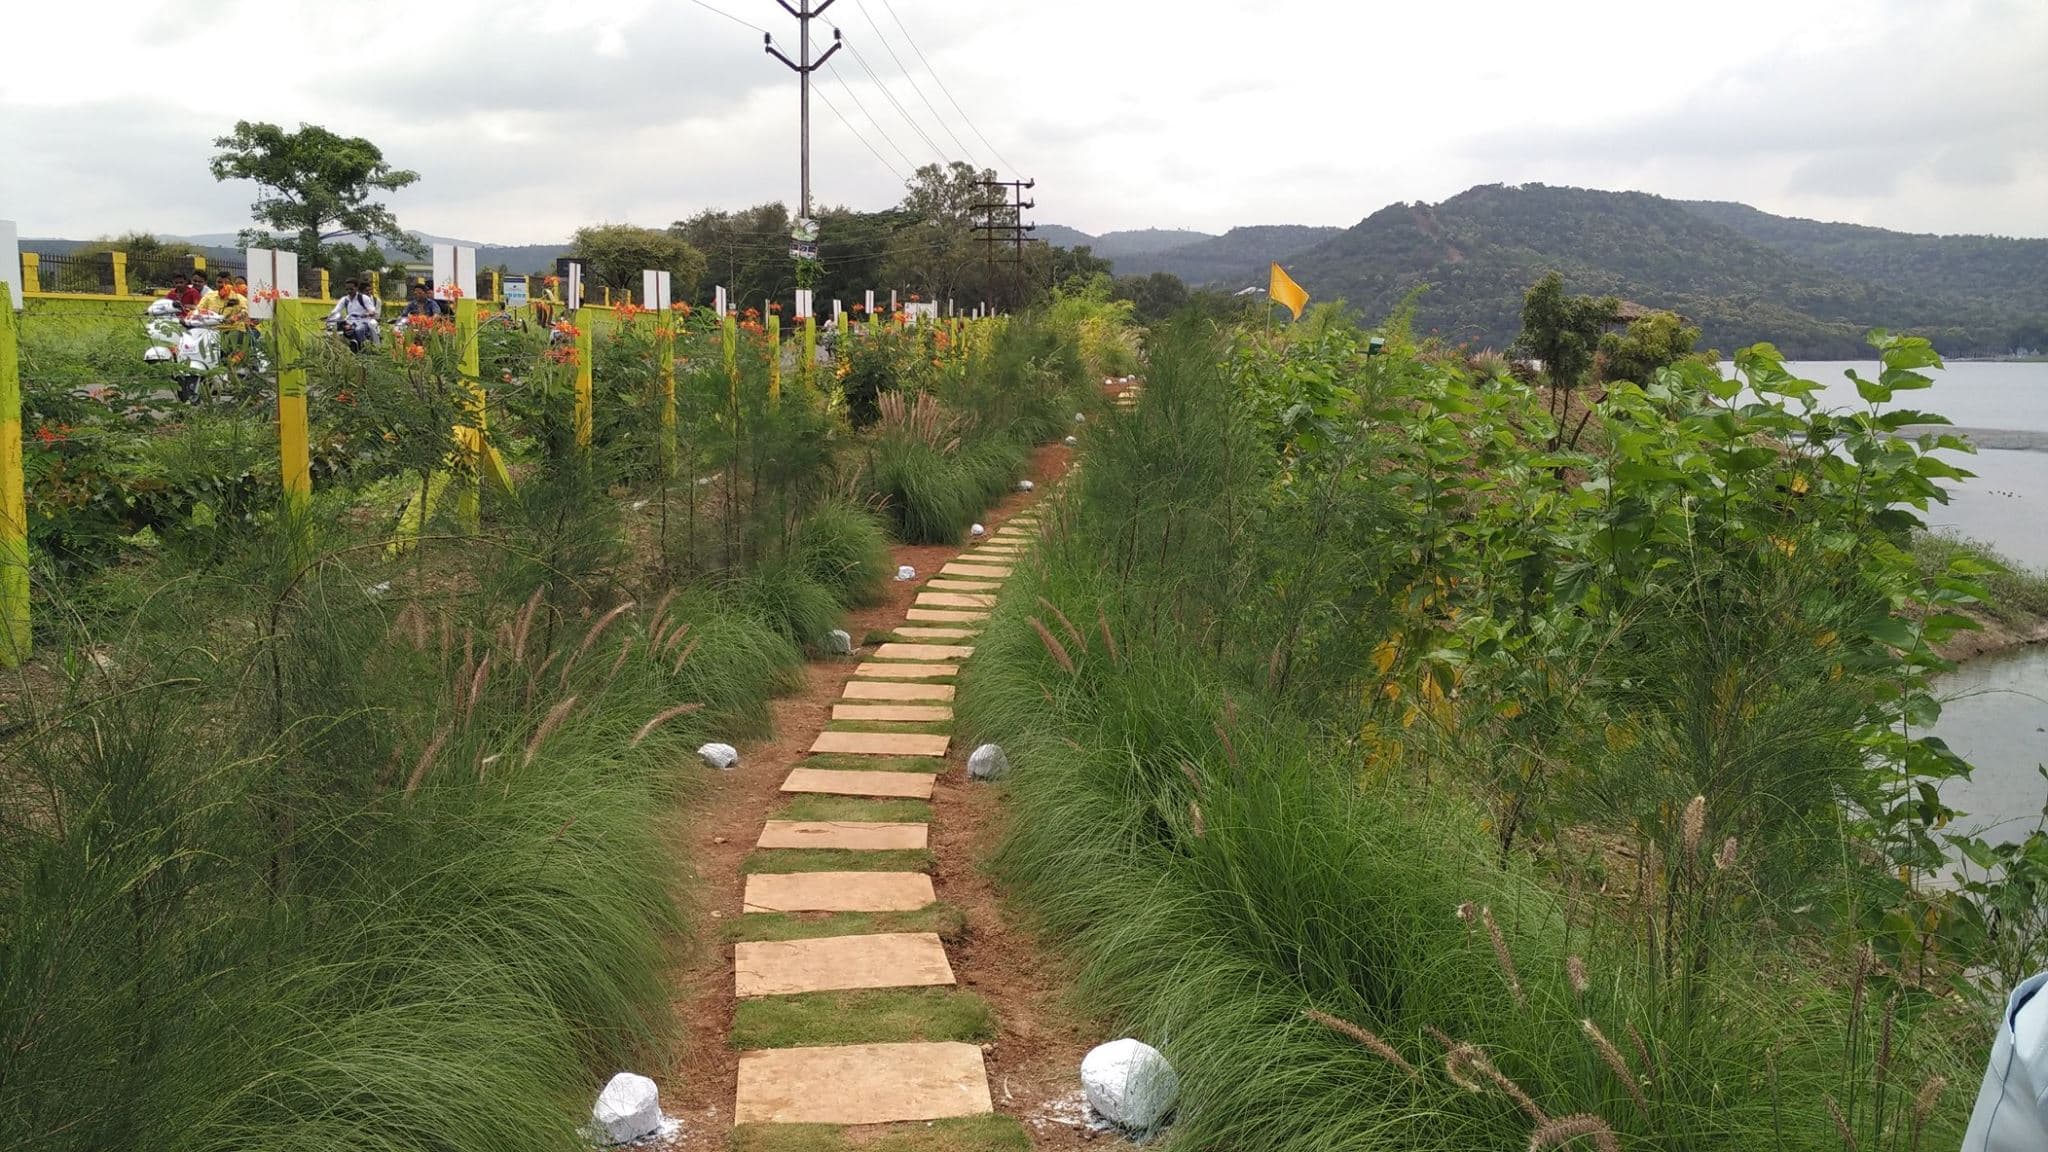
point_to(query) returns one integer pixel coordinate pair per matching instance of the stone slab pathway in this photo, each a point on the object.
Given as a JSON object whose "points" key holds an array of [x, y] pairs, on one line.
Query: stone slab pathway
{"points": [[893, 713], [838, 892], [881, 743], [862, 1084], [849, 835], [901, 681], [840, 963], [885, 785]]}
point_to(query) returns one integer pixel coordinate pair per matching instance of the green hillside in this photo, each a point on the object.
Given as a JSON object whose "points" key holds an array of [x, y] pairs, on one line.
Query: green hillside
{"points": [[1479, 250], [1234, 259]]}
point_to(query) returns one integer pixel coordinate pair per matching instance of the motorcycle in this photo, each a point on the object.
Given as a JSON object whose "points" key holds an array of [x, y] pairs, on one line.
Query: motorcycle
{"points": [[190, 343]]}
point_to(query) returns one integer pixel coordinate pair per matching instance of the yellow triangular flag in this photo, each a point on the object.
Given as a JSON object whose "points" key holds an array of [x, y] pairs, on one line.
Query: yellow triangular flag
{"points": [[1284, 290]]}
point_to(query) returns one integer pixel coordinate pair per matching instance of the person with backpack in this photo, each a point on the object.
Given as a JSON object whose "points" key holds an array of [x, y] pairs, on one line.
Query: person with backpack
{"points": [[355, 316]]}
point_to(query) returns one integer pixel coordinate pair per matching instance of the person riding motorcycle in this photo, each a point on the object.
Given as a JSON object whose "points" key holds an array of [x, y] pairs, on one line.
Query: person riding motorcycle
{"points": [[355, 316]]}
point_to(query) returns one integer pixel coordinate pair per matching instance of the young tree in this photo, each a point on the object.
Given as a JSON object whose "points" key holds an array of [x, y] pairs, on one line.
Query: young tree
{"points": [[1563, 332], [309, 180], [1657, 340]]}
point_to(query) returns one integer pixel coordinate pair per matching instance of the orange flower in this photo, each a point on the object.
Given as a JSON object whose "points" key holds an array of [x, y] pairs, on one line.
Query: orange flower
{"points": [[566, 328], [775, 307], [562, 354], [752, 314], [416, 351], [914, 297], [682, 306]]}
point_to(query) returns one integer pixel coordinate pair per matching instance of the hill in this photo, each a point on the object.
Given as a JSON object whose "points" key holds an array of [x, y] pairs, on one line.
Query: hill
{"points": [[1997, 272], [1479, 250], [1144, 242], [1234, 259]]}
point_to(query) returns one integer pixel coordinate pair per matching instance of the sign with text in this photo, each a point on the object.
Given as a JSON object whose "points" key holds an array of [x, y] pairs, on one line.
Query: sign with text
{"points": [[515, 291], [804, 308]]}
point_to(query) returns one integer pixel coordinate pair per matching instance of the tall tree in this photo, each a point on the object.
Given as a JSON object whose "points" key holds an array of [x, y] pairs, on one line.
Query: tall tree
{"points": [[746, 251], [309, 180], [616, 254]]}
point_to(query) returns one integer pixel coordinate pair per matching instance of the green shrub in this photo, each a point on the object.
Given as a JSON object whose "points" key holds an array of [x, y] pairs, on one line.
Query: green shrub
{"points": [[843, 548]]}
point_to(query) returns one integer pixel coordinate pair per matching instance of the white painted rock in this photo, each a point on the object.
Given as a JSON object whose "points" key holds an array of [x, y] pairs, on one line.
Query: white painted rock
{"points": [[906, 572], [987, 762], [723, 757], [977, 531], [838, 642], [1025, 485], [1072, 440], [629, 1107], [1080, 418], [1129, 1084]]}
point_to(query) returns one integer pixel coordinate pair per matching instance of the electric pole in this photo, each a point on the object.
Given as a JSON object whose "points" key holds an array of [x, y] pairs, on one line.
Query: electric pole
{"points": [[1004, 218], [803, 66]]}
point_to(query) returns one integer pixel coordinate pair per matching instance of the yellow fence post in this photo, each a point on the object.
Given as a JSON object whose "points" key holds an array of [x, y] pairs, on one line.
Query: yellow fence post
{"points": [[377, 286], [293, 320], [584, 348], [326, 287], [470, 438], [31, 271], [14, 618], [774, 359], [120, 263]]}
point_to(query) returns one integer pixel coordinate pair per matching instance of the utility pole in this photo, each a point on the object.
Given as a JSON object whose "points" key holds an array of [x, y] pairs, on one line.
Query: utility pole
{"points": [[1003, 218], [803, 66]]}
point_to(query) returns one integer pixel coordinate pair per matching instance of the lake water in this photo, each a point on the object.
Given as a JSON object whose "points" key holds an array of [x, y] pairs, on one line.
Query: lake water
{"points": [[1995, 713]]}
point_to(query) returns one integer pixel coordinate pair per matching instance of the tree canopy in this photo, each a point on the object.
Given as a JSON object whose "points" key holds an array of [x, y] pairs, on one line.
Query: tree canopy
{"points": [[616, 255], [309, 180]]}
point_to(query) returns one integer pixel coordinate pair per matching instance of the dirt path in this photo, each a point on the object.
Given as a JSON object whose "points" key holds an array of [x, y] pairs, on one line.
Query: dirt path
{"points": [[1031, 1063]]}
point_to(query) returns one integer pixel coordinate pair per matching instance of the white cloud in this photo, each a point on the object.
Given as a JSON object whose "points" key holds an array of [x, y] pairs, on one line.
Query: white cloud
{"points": [[527, 118]]}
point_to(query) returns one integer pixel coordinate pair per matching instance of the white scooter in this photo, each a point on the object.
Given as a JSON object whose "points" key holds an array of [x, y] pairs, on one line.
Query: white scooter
{"points": [[192, 345]]}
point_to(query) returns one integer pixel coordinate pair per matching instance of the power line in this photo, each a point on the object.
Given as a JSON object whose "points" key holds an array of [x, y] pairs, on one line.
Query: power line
{"points": [[729, 16], [863, 140], [915, 126], [972, 126], [914, 86], [876, 124]]}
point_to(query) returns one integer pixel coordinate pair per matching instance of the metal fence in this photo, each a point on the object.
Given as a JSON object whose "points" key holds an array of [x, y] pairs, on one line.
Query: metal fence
{"points": [[59, 272]]}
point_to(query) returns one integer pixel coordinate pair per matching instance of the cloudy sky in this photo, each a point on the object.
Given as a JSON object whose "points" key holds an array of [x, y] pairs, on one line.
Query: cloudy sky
{"points": [[526, 119]]}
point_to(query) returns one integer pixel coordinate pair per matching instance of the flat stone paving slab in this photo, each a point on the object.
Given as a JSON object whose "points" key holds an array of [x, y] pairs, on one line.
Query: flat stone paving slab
{"points": [[838, 891], [903, 671], [894, 651], [954, 600], [847, 835], [839, 963], [944, 585], [882, 743], [861, 1084], [987, 571], [869, 690], [844, 782], [946, 615], [920, 632], [894, 713]]}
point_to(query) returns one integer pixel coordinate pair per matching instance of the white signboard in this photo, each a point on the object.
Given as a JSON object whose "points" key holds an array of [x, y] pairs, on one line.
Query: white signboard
{"points": [[893, 306], [515, 291], [918, 312], [655, 289], [10, 261], [804, 307], [718, 301], [870, 306], [572, 284], [454, 272], [273, 276]]}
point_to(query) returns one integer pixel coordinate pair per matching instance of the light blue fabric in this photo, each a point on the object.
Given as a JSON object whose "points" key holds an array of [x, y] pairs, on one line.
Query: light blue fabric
{"points": [[2012, 1106]]}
